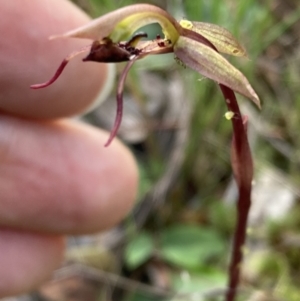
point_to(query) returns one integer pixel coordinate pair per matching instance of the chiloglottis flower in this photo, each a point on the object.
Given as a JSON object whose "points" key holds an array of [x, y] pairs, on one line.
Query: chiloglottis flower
{"points": [[197, 45]]}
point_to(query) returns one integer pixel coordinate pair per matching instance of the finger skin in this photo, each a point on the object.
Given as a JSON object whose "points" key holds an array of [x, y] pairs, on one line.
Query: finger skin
{"points": [[27, 259], [58, 177], [55, 176], [28, 57]]}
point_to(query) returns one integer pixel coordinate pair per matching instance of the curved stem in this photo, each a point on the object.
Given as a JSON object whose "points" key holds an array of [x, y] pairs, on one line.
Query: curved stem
{"points": [[60, 69], [242, 165], [120, 90]]}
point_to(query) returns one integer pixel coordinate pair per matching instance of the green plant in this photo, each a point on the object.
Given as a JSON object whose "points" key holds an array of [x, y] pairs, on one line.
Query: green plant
{"points": [[196, 45]]}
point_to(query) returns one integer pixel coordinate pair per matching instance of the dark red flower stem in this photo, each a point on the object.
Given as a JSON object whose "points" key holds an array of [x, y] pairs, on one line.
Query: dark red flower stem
{"points": [[119, 99], [243, 171]]}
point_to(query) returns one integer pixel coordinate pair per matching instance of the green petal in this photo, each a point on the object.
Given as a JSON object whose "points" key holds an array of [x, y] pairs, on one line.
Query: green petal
{"points": [[220, 37], [122, 23], [211, 64]]}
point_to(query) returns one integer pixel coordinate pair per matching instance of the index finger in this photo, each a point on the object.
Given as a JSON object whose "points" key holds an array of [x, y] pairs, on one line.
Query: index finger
{"points": [[28, 57]]}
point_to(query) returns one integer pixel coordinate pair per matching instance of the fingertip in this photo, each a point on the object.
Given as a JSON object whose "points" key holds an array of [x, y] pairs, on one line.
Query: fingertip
{"points": [[27, 57], [73, 183], [106, 192]]}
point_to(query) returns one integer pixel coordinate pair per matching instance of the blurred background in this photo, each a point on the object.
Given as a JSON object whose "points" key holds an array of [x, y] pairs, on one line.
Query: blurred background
{"points": [[176, 243]]}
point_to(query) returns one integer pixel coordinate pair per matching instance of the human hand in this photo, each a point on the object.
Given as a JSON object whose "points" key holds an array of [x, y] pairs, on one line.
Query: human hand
{"points": [[56, 178]]}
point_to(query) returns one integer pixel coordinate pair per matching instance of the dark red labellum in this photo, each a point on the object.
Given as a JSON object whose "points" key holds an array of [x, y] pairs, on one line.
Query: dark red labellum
{"points": [[107, 52]]}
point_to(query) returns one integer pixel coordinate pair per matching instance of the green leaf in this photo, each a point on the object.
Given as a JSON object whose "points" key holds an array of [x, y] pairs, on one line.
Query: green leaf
{"points": [[211, 64], [220, 37], [140, 296], [200, 283], [190, 246], [139, 250]]}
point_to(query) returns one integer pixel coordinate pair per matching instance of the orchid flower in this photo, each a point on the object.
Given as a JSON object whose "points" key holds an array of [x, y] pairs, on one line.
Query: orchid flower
{"points": [[196, 45]]}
